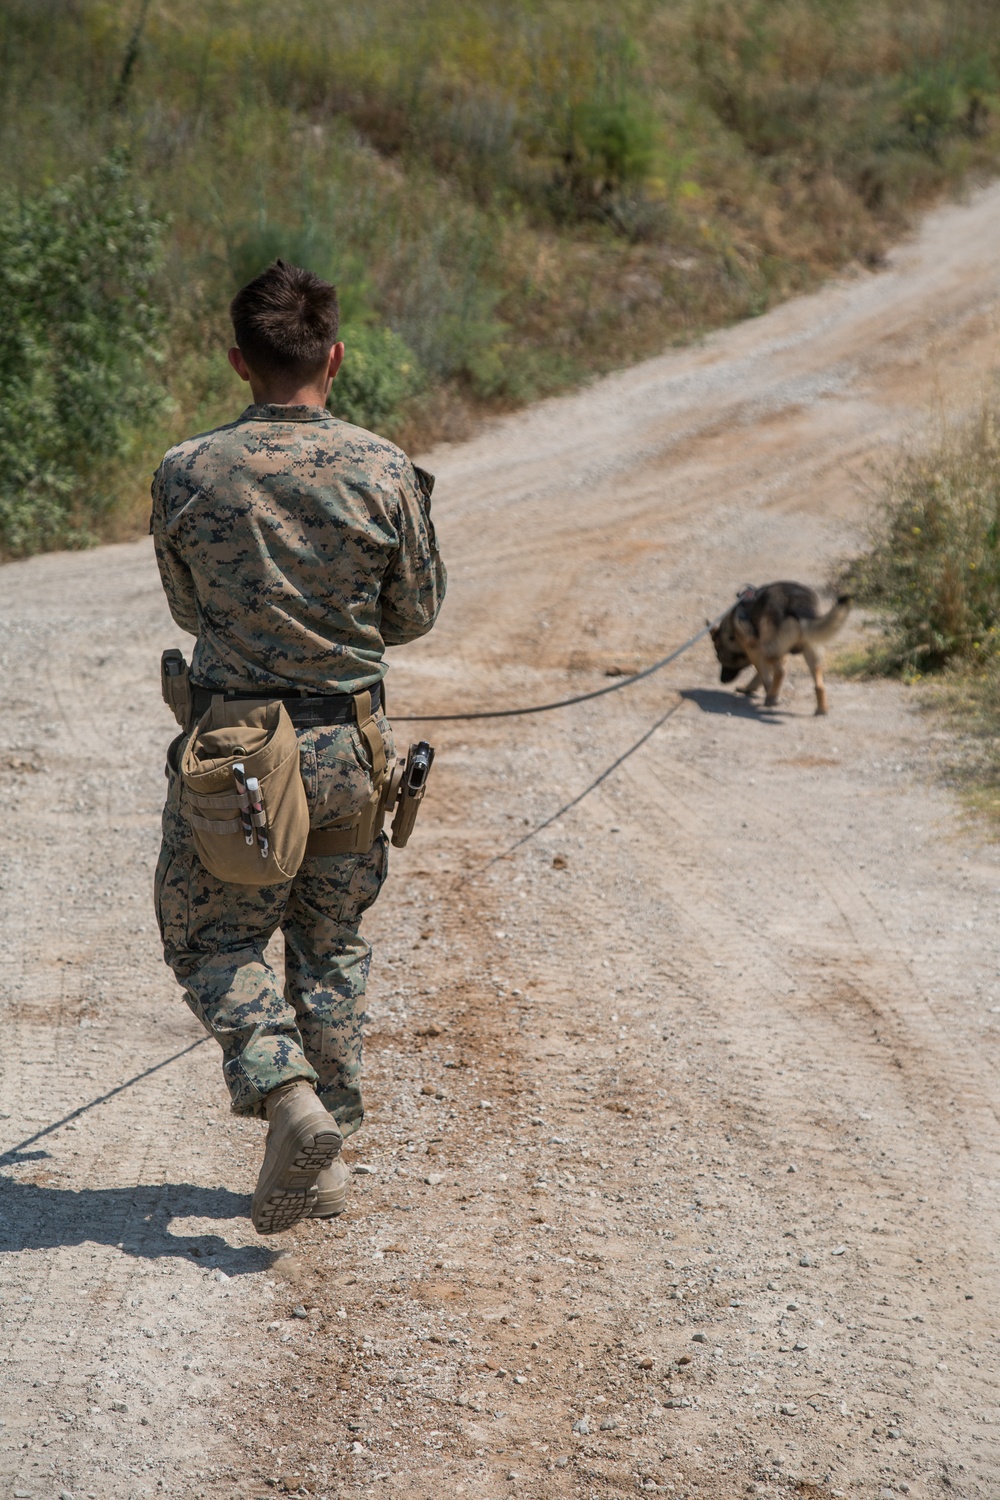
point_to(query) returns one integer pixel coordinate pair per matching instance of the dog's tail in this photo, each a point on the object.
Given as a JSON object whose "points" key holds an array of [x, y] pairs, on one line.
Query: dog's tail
{"points": [[826, 627]]}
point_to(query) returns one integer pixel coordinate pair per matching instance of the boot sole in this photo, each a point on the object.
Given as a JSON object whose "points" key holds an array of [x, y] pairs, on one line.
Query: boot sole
{"points": [[293, 1193]]}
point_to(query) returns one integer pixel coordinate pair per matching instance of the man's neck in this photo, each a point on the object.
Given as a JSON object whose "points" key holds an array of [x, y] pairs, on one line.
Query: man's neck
{"points": [[306, 395]]}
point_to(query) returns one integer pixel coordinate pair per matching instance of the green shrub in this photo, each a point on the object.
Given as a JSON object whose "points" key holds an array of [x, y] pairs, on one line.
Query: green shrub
{"points": [[309, 239], [525, 191], [414, 262], [928, 109], [934, 563], [378, 374], [78, 336]]}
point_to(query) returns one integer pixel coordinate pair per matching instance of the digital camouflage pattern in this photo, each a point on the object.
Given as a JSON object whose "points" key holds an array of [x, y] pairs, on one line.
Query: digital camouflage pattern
{"points": [[214, 935], [295, 547]]}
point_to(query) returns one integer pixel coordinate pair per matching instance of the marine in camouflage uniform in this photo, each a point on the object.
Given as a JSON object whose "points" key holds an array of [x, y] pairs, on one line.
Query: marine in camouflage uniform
{"points": [[295, 547]]}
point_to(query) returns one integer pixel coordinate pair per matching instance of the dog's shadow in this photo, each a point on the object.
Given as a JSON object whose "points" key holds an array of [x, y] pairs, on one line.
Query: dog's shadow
{"points": [[135, 1220], [733, 705]]}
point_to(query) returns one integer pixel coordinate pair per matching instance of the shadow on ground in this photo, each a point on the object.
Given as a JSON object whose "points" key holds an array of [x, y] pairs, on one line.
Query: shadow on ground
{"points": [[133, 1220], [735, 705]]}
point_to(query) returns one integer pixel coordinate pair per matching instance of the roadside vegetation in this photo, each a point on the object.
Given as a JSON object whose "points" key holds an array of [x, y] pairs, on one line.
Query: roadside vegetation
{"points": [[511, 195], [932, 576]]}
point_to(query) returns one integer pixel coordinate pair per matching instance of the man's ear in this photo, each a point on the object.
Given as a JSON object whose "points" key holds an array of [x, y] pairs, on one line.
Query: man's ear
{"points": [[336, 360], [238, 363]]}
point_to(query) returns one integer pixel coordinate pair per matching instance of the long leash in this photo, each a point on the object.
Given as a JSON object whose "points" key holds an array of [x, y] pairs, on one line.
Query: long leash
{"points": [[544, 708], [575, 801], [12, 1154]]}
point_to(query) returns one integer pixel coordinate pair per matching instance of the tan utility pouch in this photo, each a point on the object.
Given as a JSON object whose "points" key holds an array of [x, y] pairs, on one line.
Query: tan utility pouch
{"points": [[261, 735], [175, 684], [357, 834]]}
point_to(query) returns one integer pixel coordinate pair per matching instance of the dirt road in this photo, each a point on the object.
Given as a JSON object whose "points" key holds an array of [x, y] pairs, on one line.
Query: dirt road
{"points": [[681, 1167]]}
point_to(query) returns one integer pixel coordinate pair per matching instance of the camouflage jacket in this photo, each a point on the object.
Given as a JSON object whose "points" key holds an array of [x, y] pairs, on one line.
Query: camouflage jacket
{"points": [[295, 547]]}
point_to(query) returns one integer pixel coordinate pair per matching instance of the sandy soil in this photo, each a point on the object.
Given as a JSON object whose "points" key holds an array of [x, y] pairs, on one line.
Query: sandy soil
{"points": [[681, 1165]]}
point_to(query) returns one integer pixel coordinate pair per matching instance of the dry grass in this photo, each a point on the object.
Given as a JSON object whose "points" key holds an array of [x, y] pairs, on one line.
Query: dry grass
{"points": [[525, 191], [932, 575], [933, 566]]}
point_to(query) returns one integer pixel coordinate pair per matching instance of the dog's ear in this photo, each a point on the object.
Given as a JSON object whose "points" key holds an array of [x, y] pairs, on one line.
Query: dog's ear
{"points": [[708, 624]]}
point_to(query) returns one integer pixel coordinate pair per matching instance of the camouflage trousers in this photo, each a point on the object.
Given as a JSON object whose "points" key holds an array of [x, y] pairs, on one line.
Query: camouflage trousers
{"points": [[215, 935]]}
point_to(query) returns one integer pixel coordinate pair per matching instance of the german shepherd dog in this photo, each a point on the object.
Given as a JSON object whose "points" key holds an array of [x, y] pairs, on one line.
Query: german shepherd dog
{"points": [[767, 624]]}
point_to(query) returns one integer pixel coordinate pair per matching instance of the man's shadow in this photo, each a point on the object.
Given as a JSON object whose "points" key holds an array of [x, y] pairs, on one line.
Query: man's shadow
{"points": [[134, 1220]]}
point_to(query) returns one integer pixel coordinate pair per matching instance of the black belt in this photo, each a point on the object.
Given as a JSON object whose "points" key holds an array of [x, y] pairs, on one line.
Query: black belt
{"points": [[304, 709]]}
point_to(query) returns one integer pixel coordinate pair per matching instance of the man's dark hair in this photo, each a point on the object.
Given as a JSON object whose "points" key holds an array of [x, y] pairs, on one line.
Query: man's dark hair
{"points": [[285, 321]]}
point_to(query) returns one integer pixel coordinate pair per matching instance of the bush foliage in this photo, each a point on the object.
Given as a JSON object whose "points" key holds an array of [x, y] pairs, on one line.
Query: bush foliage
{"points": [[378, 373], [78, 337], [510, 195], [934, 563]]}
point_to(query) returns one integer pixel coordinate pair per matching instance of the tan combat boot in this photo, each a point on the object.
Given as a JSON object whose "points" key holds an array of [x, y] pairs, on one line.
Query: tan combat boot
{"points": [[331, 1191], [302, 1140]]}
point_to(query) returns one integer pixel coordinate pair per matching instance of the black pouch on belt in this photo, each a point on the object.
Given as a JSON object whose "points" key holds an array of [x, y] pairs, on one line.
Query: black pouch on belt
{"points": [[175, 684]]}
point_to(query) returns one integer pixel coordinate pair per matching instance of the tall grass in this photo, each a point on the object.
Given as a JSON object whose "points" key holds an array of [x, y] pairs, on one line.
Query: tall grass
{"points": [[933, 567], [932, 573], [511, 194]]}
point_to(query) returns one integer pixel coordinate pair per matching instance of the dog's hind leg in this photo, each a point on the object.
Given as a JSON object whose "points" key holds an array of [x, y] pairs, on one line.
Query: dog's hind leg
{"points": [[814, 657]]}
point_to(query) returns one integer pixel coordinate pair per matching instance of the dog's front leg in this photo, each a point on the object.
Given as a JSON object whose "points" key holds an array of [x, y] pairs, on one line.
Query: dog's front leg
{"points": [[774, 686], [751, 687], [761, 666]]}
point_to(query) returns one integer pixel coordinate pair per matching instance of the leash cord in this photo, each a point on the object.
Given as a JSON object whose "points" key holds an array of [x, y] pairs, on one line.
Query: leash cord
{"points": [[567, 806], [544, 708], [12, 1154]]}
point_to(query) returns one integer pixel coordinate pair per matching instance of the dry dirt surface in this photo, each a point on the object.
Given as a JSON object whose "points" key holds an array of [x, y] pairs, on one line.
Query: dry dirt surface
{"points": [[680, 1172]]}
